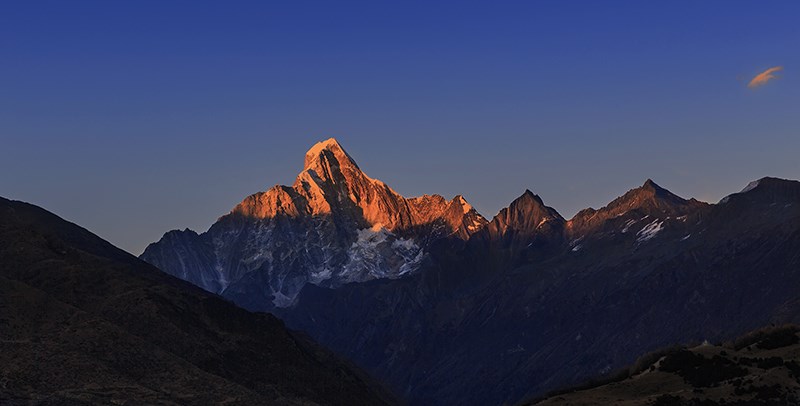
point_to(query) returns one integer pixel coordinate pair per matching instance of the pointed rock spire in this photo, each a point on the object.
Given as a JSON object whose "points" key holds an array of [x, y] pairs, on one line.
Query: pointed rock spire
{"points": [[325, 151], [331, 183], [650, 188], [525, 214], [649, 184], [528, 198], [648, 199]]}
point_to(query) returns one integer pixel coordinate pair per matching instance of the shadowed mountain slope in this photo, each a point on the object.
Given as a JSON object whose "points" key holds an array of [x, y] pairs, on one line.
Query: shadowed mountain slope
{"points": [[82, 322], [491, 322], [761, 368]]}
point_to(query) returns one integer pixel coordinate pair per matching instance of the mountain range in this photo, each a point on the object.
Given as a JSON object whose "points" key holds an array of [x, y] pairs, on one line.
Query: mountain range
{"points": [[448, 307]]}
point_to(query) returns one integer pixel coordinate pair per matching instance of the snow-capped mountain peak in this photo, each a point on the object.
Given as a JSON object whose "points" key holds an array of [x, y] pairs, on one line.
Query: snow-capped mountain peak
{"points": [[334, 225], [325, 149]]}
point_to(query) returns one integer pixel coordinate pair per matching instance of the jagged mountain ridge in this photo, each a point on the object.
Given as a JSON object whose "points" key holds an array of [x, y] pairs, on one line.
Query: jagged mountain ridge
{"points": [[331, 183], [334, 225], [337, 225], [498, 320], [649, 199]]}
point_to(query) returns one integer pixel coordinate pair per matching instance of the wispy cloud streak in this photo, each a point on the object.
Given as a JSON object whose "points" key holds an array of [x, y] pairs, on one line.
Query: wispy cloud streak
{"points": [[764, 77]]}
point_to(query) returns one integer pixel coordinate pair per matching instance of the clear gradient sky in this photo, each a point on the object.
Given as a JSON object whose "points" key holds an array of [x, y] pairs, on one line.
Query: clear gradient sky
{"points": [[135, 117]]}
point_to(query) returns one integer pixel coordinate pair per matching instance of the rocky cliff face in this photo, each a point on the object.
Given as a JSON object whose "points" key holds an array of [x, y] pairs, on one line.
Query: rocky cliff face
{"points": [[335, 225]]}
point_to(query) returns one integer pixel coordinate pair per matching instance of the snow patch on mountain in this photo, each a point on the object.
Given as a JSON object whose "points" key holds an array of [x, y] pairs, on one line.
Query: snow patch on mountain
{"points": [[378, 253], [628, 225], [750, 186], [649, 231], [281, 300], [319, 276]]}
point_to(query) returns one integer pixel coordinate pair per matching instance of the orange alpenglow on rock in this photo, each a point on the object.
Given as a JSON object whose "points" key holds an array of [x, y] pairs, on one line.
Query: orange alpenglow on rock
{"points": [[331, 181]]}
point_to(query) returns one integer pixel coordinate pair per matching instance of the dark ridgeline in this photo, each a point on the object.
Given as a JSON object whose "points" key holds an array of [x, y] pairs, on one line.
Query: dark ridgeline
{"points": [[449, 308], [761, 368], [82, 322]]}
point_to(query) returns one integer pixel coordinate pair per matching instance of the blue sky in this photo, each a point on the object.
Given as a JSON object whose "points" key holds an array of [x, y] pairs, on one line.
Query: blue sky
{"points": [[133, 118]]}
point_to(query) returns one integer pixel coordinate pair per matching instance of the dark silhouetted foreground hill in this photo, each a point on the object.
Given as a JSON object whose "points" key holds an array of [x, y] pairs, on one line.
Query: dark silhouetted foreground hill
{"points": [[82, 322], [760, 368]]}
